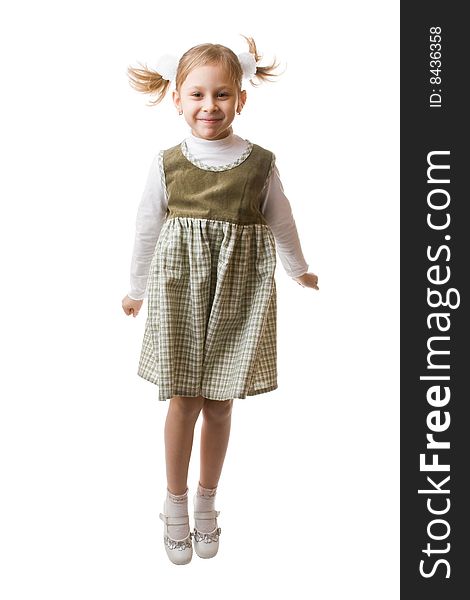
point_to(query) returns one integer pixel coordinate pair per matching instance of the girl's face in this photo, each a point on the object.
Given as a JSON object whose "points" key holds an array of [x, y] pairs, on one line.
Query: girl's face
{"points": [[209, 101]]}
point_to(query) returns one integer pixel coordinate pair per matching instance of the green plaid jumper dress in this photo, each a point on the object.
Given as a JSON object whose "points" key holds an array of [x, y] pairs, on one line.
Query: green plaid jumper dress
{"points": [[211, 323]]}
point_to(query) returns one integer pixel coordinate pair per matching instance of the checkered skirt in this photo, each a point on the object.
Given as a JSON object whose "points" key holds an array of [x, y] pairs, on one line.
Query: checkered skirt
{"points": [[211, 324]]}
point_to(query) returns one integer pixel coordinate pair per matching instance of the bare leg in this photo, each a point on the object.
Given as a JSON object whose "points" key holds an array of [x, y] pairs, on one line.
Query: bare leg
{"points": [[181, 418], [215, 433]]}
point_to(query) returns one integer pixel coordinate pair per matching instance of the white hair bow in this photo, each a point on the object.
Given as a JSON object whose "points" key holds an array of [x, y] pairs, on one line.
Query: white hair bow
{"points": [[248, 63], [167, 65]]}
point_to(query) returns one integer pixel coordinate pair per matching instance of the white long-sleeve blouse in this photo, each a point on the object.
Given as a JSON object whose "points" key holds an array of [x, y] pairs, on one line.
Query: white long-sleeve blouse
{"points": [[152, 210]]}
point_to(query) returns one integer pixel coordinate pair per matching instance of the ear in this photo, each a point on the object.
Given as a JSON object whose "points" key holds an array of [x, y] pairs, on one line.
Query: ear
{"points": [[241, 100], [176, 99]]}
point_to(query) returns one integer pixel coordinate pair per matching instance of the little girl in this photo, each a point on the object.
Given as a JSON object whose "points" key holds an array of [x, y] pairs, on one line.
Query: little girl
{"points": [[211, 217]]}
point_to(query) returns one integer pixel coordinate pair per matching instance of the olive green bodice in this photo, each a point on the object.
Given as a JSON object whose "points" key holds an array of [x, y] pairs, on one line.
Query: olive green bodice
{"points": [[230, 194]]}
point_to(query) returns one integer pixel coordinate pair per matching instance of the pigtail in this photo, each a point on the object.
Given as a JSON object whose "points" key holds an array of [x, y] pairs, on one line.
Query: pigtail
{"points": [[262, 73], [147, 81]]}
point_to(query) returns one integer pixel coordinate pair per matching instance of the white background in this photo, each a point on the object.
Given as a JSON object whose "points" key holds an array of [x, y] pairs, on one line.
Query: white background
{"points": [[309, 495]]}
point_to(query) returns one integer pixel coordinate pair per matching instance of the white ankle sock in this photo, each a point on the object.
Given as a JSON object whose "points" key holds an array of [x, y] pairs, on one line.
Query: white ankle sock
{"points": [[204, 500], [176, 506]]}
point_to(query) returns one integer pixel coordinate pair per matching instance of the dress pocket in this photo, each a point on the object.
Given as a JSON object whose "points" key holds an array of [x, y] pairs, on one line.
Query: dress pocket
{"points": [[266, 260], [174, 258], [174, 272]]}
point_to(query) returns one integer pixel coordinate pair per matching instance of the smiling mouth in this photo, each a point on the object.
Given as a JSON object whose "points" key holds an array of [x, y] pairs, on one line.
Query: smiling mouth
{"points": [[210, 120]]}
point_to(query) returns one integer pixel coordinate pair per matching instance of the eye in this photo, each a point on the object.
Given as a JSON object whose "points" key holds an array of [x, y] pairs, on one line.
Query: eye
{"points": [[196, 94], [223, 94]]}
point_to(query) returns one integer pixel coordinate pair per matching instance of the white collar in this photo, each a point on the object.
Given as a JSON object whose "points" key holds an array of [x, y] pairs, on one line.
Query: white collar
{"points": [[212, 145]]}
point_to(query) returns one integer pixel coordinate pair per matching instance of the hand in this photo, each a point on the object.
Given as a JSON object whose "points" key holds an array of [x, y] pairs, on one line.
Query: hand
{"points": [[130, 306], [308, 280]]}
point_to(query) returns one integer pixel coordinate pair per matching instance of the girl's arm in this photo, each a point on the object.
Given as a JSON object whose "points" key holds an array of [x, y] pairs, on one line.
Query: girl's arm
{"points": [[277, 211], [151, 215]]}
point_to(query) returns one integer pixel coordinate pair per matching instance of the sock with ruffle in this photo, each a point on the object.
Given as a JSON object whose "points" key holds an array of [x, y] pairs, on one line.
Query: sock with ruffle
{"points": [[176, 506], [204, 500]]}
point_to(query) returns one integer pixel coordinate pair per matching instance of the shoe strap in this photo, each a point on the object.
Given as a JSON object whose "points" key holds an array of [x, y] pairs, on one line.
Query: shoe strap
{"points": [[208, 514], [174, 520], [215, 530]]}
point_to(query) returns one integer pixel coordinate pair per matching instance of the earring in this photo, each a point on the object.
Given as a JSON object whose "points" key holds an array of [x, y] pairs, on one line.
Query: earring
{"points": [[239, 112], [180, 112]]}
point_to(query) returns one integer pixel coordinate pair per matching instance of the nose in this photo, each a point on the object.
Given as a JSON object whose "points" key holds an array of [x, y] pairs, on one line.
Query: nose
{"points": [[210, 105]]}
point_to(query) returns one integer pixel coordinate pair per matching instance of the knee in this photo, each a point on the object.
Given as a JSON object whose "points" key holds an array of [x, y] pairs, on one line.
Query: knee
{"points": [[217, 410], [186, 408]]}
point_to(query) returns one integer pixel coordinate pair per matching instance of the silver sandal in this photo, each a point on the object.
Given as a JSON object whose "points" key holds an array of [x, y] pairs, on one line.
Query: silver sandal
{"points": [[180, 552], [206, 545]]}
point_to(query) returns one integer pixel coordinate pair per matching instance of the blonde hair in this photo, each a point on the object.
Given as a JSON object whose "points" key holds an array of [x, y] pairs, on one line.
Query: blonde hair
{"points": [[148, 81]]}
